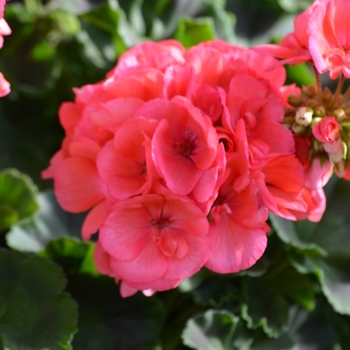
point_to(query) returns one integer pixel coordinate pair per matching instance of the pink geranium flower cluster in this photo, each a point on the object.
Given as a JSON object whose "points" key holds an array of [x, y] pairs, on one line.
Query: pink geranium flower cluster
{"points": [[179, 156], [320, 37], [319, 118], [4, 30]]}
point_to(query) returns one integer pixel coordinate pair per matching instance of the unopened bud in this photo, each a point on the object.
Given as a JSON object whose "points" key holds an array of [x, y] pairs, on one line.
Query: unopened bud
{"points": [[295, 100], [319, 112], [309, 90], [339, 114], [298, 129], [327, 96], [315, 121], [345, 150], [312, 103], [303, 116]]}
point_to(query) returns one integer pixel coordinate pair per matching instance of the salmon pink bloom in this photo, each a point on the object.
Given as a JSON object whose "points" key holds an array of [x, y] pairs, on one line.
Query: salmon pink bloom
{"points": [[153, 239], [125, 164], [329, 42], [4, 30], [158, 55], [237, 221], [5, 86], [318, 173], [326, 130], [184, 146]]}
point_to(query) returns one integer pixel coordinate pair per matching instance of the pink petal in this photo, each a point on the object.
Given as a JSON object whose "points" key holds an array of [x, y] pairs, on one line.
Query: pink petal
{"points": [[93, 220], [234, 247], [102, 261], [5, 87], [76, 184], [125, 231], [179, 171], [147, 267]]}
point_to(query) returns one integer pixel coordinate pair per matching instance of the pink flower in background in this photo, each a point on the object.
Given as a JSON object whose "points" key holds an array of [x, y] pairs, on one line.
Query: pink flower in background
{"points": [[329, 43], [5, 87]]}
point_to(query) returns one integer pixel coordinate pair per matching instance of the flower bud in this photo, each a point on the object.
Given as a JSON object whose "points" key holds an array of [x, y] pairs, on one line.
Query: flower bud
{"points": [[312, 103], [315, 121], [339, 114], [345, 150], [295, 100], [288, 121], [326, 130], [303, 116], [298, 129], [310, 90], [327, 96], [319, 112]]}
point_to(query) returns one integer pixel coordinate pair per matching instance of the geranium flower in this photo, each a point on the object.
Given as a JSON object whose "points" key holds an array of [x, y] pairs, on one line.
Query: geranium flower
{"points": [[162, 238], [329, 43], [237, 218]]}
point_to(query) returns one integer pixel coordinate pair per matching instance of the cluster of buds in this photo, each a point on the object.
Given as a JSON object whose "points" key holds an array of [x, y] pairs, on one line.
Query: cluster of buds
{"points": [[323, 119]]}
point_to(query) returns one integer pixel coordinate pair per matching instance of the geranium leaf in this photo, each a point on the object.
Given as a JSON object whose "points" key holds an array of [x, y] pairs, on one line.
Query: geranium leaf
{"points": [[284, 342], [8, 217], [106, 320], [34, 312], [193, 31], [18, 197], [213, 330], [51, 222], [271, 314], [288, 233], [334, 276], [73, 255]]}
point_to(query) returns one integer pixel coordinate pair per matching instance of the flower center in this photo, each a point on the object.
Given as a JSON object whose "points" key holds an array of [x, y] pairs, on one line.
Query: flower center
{"points": [[187, 145], [160, 223]]}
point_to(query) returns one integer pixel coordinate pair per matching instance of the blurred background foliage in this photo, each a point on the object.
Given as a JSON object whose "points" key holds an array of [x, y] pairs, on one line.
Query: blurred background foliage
{"points": [[296, 297]]}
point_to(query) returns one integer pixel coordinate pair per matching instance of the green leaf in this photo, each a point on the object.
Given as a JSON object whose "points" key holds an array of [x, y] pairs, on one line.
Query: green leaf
{"points": [[282, 342], [106, 320], [218, 291], [313, 330], [18, 197], [51, 222], [8, 217], [214, 330], [77, 7], [331, 238], [265, 307], [191, 32], [334, 277], [295, 6], [288, 233], [73, 255], [34, 313], [300, 74]]}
